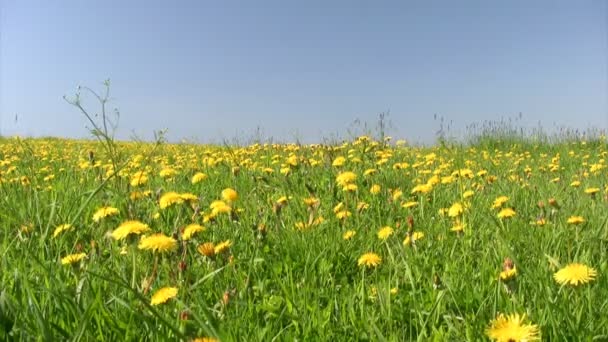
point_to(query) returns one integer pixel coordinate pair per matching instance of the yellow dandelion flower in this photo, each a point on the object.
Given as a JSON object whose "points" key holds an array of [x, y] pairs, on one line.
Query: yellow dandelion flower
{"points": [[385, 233], [207, 249], [198, 177], [339, 161], [508, 274], [73, 258], [512, 328], [457, 227], [369, 260], [311, 201], [170, 198], [62, 228], [139, 178], [413, 238], [575, 184], [188, 197], [229, 195], [422, 189], [468, 193], [205, 339], [345, 178], [576, 220], [499, 201], [455, 210], [592, 191], [129, 227], [190, 230], [375, 189], [369, 172], [163, 295], [158, 243], [341, 215], [575, 274], [397, 194], [167, 172], [409, 204], [222, 246], [282, 200], [349, 234], [362, 206], [350, 187], [506, 213], [104, 212]]}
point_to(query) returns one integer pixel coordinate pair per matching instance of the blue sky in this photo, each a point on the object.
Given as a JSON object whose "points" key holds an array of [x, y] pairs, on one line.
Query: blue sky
{"points": [[209, 71]]}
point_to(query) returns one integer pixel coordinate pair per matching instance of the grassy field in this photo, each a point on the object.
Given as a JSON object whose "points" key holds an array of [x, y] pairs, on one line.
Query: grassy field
{"points": [[367, 240]]}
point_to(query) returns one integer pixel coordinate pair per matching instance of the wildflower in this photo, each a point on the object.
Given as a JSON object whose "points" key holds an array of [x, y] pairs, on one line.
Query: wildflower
{"points": [[282, 201], [222, 246], [205, 339], [167, 172], [369, 260], [190, 230], [575, 184], [362, 206], [468, 193], [369, 172], [574, 274], [509, 270], [349, 234], [592, 191], [62, 228], [158, 243], [163, 295], [499, 201], [455, 210], [139, 178], [385, 233], [73, 258], [198, 177], [129, 227], [311, 201], [506, 213], [458, 227], [541, 221], [512, 328], [375, 189], [422, 189], [409, 204], [207, 249], [218, 207], [343, 214], [188, 197], [229, 195], [397, 194], [339, 161], [413, 237], [345, 178], [104, 212], [350, 187], [576, 220], [170, 198]]}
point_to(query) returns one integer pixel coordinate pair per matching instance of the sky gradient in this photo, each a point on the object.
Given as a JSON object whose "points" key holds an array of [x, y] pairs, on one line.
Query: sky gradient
{"points": [[305, 70]]}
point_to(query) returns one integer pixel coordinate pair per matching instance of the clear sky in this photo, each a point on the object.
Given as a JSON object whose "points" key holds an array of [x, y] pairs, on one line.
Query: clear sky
{"points": [[214, 70]]}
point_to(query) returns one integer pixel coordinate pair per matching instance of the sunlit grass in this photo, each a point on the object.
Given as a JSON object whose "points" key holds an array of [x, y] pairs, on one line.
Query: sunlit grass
{"points": [[359, 241]]}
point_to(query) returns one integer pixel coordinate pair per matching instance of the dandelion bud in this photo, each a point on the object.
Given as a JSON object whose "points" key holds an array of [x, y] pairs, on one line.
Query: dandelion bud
{"points": [[182, 266], [410, 222]]}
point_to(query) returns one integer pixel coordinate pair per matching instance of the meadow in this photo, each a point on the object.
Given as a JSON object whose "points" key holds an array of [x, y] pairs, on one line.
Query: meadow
{"points": [[369, 239]]}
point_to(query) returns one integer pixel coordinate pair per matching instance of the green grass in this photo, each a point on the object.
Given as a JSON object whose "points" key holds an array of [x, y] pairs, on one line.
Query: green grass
{"points": [[291, 284]]}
